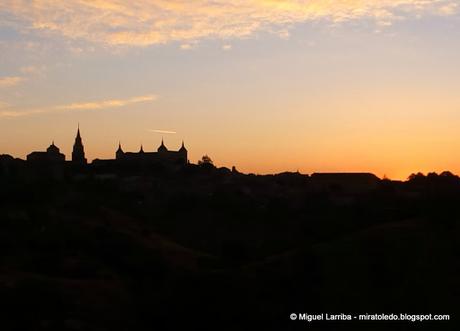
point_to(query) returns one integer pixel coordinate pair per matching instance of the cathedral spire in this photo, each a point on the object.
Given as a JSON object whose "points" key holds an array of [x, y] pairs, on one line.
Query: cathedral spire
{"points": [[78, 153], [119, 153], [182, 148], [162, 147]]}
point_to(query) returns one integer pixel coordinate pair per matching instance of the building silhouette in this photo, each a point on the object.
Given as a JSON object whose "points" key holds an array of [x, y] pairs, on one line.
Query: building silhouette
{"points": [[162, 155], [52, 155], [78, 152]]}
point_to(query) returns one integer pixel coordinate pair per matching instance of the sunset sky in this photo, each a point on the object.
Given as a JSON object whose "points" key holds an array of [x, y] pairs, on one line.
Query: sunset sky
{"points": [[265, 85]]}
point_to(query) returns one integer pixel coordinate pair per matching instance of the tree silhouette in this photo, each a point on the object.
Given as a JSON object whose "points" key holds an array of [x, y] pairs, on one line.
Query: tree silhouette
{"points": [[205, 161]]}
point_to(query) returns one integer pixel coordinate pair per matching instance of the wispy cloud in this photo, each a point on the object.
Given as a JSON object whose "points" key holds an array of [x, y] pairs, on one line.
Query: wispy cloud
{"points": [[107, 103], [449, 9], [149, 22], [3, 105], [163, 131], [26, 71], [187, 47], [79, 106], [9, 81], [32, 70]]}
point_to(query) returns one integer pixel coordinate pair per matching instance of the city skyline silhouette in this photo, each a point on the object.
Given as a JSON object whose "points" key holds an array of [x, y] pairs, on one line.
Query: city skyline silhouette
{"points": [[78, 156], [292, 85], [229, 165]]}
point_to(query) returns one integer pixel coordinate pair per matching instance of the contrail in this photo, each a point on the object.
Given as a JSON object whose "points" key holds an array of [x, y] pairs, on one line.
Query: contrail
{"points": [[163, 131]]}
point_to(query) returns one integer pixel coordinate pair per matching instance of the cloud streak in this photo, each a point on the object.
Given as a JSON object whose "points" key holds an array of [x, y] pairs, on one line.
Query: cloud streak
{"points": [[163, 131], [107, 103], [150, 22], [10, 81], [32, 70], [80, 106]]}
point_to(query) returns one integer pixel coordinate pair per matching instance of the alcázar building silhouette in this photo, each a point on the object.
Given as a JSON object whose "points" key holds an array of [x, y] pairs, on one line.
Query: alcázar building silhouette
{"points": [[162, 156]]}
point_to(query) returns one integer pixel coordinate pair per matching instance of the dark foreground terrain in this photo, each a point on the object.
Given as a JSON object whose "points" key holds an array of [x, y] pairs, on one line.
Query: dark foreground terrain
{"points": [[204, 248]]}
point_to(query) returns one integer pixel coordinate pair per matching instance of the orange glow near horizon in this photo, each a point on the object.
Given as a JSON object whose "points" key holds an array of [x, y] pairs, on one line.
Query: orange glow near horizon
{"points": [[266, 86]]}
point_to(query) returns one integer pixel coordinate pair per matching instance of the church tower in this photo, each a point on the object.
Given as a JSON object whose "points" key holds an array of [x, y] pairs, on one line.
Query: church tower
{"points": [[119, 154], [183, 153], [162, 148], [78, 153]]}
